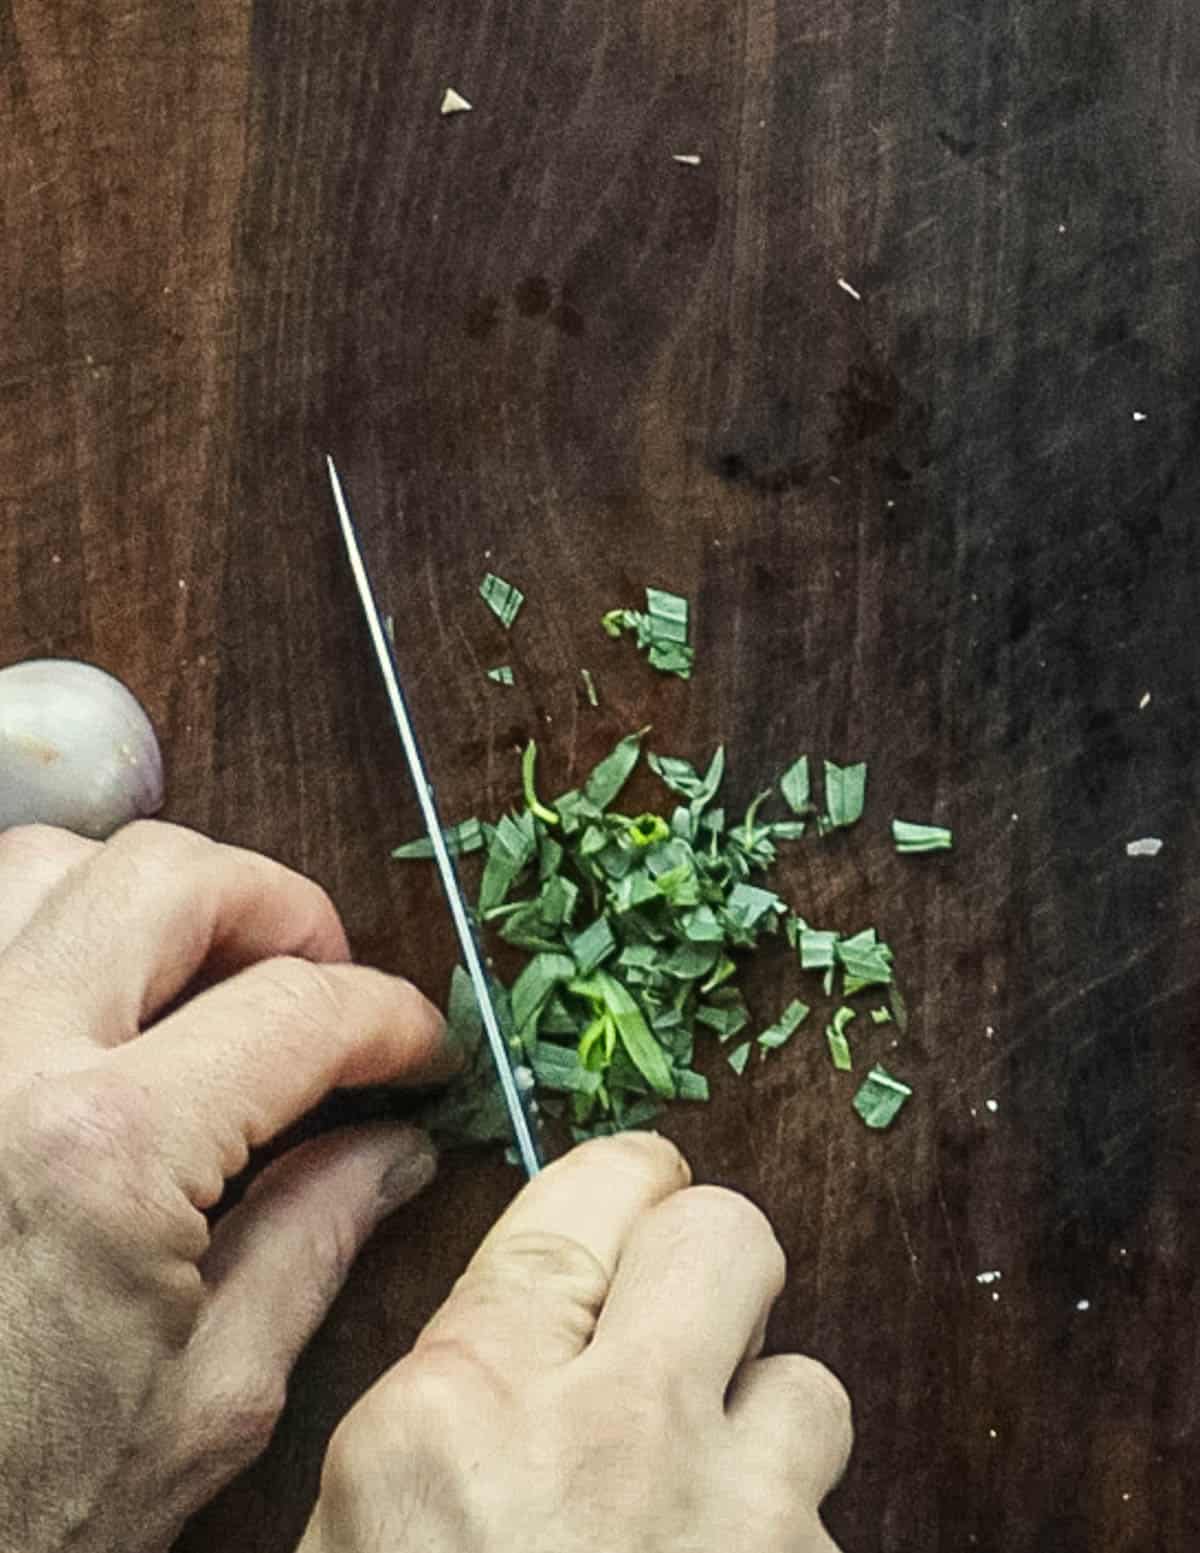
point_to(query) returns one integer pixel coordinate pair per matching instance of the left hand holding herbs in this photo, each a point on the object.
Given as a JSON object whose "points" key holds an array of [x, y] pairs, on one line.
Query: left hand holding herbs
{"points": [[143, 1359]]}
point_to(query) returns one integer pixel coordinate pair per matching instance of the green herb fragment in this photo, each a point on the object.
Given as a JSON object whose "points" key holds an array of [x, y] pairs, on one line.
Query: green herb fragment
{"points": [[501, 676], [747, 905], [881, 1098], [662, 631], [593, 946], [609, 777], [467, 836], [794, 785], [724, 1021], [739, 1057], [881, 1016], [866, 962], [472, 1109], [681, 777], [533, 987], [589, 685], [511, 848], [691, 1085], [839, 1046], [722, 971], [644, 1051], [702, 926], [921, 838], [845, 793], [501, 598], [817, 950], [528, 767], [781, 1032], [558, 1067], [787, 830]]}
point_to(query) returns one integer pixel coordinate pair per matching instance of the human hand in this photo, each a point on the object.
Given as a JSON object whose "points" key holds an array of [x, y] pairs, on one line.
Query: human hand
{"points": [[594, 1385], [142, 1361]]}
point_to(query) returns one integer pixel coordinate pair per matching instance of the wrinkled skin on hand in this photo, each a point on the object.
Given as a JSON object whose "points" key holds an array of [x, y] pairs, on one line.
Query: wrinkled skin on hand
{"points": [[595, 1384], [143, 1360]]}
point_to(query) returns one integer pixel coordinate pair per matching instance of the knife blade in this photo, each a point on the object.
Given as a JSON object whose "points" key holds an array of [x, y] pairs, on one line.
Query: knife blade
{"points": [[524, 1136]]}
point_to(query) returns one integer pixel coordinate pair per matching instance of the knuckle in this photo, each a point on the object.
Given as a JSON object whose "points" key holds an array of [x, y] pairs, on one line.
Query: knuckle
{"points": [[244, 1406], [535, 1261], [424, 1399], [715, 1213], [639, 1154], [84, 1116], [555, 1279], [158, 842], [820, 1394], [307, 991], [22, 845]]}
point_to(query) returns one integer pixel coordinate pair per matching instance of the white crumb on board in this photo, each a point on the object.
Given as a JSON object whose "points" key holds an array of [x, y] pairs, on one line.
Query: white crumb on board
{"points": [[1146, 846], [686, 159], [849, 289], [992, 1105], [454, 102], [989, 1277], [1084, 1305], [1144, 702], [1138, 416]]}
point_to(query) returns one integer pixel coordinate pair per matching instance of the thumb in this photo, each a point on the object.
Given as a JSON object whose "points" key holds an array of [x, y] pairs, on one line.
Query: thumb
{"points": [[278, 1260]]}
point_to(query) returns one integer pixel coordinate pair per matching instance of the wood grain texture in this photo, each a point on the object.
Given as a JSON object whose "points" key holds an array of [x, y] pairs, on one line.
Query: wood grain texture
{"points": [[922, 528]]}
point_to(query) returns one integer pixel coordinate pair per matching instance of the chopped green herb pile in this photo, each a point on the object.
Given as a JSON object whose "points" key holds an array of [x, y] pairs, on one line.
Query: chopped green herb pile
{"points": [[635, 928], [501, 676], [501, 598], [661, 631], [921, 838]]}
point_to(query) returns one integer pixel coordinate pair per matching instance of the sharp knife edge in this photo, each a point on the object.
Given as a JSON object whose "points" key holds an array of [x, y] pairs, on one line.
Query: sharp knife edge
{"points": [[523, 1134]]}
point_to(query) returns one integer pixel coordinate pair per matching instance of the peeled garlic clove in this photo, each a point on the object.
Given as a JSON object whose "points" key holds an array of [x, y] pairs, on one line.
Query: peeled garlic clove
{"points": [[76, 749]]}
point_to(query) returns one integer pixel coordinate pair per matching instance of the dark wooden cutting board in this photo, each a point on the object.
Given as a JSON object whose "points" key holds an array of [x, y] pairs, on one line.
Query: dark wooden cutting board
{"points": [[949, 526]]}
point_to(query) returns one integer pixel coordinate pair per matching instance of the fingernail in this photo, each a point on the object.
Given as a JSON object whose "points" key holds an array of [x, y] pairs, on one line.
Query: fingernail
{"points": [[409, 1173]]}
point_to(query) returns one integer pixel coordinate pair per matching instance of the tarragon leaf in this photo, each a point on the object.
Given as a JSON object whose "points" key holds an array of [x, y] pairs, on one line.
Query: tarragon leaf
{"points": [[921, 838], [739, 1057], [690, 1085], [881, 1098], [511, 848], [747, 905], [785, 1026], [787, 830], [502, 598], [593, 945], [865, 961], [610, 776], [817, 949], [683, 778], [794, 785], [845, 793], [466, 836], [835, 1034], [644, 1051], [725, 1021], [533, 987], [558, 1067]]}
